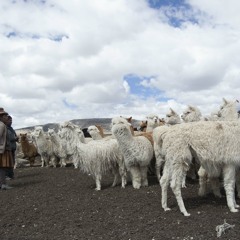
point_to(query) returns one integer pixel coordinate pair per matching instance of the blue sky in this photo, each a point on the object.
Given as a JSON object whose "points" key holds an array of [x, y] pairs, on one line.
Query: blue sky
{"points": [[63, 60]]}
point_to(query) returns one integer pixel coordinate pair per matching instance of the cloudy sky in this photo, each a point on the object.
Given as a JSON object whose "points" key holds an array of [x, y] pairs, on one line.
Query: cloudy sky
{"points": [[74, 59]]}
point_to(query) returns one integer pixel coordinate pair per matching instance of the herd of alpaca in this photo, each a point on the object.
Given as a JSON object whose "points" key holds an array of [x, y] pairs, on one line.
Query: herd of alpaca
{"points": [[183, 146]]}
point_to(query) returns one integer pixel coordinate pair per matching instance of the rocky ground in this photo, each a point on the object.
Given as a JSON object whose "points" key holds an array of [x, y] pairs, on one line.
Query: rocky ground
{"points": [[49, 204]]}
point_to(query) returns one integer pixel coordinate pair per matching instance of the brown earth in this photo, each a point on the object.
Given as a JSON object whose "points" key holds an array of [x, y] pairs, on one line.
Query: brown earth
{"points": [[49, 204]]}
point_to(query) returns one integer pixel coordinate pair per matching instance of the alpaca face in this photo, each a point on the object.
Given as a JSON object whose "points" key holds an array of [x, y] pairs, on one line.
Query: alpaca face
{"points": [[23, 137], [228, 111], [51, 132], [38, 132], [172, 118], [92, 130], [191, 114]]}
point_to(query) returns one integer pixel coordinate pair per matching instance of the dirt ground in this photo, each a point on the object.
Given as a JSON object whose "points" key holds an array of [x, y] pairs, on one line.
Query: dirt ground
{"points": [[61, 203]]}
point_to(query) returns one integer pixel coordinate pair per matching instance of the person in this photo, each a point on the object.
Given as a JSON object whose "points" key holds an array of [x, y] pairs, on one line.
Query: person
{"points": [[13, 138], [6, 159]]}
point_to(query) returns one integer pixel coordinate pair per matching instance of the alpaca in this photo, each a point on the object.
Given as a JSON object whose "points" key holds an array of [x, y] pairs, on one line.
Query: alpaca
{"points": [[172, 118], [143, 125], [29, 149], [68, 141], [191, 114], [96, 157], [137, 151], [152, 122], [215, 144], [94, 132], [44, 146], [58, 148], [226, 112]]}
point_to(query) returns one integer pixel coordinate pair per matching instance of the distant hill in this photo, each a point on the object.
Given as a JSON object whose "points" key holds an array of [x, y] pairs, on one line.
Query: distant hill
{"points": [[83, 123]]}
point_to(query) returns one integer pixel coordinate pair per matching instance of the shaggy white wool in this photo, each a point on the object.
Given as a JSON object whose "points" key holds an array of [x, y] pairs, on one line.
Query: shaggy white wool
{"points": [[191, 114], [96, 157], [137, 151], [58, 148], [94, 132], [152, 122], [44, 146], [217, 147], [172, 118]]}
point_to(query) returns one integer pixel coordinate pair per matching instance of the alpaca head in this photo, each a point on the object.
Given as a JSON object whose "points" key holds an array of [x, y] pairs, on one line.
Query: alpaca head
{"points": [[51, 132], [94, 132], [93, 129], [23, 137], [228, 110], [120, 126], [38, 131], [172, 117], [191, 114]]}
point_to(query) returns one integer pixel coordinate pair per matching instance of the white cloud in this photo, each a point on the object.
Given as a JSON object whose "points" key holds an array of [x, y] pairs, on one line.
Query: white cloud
{"points": [[62, 60]]}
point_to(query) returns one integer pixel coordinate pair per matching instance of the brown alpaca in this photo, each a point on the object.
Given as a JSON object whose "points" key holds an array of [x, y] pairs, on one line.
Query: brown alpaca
{"points": [[29, 149]]}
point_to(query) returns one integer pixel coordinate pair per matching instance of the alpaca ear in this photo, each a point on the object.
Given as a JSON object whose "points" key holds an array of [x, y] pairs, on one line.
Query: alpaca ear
{"points": [[172, 111], [225, 101], [129, 119]]}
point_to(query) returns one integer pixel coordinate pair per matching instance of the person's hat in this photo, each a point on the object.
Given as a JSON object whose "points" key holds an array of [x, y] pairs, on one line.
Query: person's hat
{"points": [[2, 111]]}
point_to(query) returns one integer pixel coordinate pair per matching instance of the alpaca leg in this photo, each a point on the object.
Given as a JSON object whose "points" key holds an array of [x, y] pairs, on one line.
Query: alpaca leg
{"points": [[54, 162], [46, 160], [144, 179], [136, 177], [63, 162], [215, 185], [98, 179], [176, 188], [159, 163], [191, 173], [229, 186], [176, 184], [164, 183], [43, 161], [76, 163], [116, 177], [202, 182], [123, 174]]}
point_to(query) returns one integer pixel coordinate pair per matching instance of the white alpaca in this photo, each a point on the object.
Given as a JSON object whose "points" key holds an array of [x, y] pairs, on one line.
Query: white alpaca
{"points": [[69, 141], [152, 122], [95, 132], [44, 146], [58, 148], [226, 112], [172, 118], [215, 144], [137, 151], [96, 158], [191, 114]]}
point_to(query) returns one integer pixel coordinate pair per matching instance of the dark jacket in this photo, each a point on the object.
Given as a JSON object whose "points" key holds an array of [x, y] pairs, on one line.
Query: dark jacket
{"points": [[12, 138]]}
